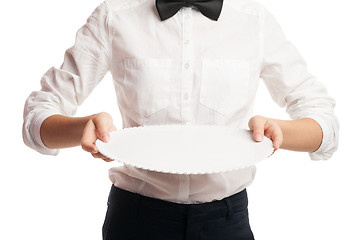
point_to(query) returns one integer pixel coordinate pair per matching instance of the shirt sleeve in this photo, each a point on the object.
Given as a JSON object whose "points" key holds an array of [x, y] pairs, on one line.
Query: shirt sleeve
{"points": [[285, 75], [64, 89]]}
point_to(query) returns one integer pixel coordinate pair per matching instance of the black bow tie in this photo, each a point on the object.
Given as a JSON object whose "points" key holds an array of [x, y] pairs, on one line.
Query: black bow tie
{"points": [[209, 8]]}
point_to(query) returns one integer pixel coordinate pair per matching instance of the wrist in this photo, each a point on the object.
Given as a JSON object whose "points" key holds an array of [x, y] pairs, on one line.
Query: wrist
{"points": [[59, 131]]}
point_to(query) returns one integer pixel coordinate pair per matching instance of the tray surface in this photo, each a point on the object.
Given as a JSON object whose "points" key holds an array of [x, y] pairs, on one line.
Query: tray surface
{"points": [[186, 149]]}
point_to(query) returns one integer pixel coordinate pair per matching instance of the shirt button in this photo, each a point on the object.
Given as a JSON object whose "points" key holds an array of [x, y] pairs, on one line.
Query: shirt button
{"points": [[186, 96], [186, 42], [187, 65]]}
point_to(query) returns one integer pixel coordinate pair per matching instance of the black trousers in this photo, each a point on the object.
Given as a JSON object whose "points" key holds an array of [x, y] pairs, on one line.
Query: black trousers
{"points": [[131, 216]]}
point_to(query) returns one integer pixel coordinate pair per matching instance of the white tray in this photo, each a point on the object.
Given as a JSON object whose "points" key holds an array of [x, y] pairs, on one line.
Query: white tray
{"points": [[186, 149]]}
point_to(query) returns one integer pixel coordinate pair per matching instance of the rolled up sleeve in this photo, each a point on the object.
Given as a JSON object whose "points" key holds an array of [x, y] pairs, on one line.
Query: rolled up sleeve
{"points": [[64, 89], [285, 75]]}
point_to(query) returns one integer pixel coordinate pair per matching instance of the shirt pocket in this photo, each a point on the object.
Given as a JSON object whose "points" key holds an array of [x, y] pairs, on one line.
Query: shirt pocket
{"points": [[147, 84], [224, 84]]}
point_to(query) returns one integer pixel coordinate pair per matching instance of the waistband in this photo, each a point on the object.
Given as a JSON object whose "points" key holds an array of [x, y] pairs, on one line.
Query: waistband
{"points": [[179, 211]]}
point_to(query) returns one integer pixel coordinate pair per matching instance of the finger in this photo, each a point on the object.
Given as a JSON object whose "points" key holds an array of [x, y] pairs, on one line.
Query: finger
{"points": [[107, 160], [97, 155], [272, 153], [277, 139], [257, 126], [89, 137], [113, 128]]}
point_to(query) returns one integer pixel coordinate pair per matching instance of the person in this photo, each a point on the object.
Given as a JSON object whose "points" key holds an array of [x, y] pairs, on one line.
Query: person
{"points": [[173, 62]]}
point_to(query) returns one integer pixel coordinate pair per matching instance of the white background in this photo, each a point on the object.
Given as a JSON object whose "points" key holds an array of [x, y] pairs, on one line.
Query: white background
{"points": [[64, 197]]}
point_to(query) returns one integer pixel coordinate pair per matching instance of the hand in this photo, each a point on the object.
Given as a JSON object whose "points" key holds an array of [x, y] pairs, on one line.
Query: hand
{"points": [[98, 127], [261, 126]]}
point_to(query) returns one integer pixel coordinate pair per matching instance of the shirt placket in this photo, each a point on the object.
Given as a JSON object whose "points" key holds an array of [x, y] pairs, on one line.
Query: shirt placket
{"points": [[186, 89], [187, 66]]}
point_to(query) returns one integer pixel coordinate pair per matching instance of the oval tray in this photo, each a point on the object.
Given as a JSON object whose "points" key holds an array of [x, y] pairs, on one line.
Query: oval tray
{"points": [[186, 149]]}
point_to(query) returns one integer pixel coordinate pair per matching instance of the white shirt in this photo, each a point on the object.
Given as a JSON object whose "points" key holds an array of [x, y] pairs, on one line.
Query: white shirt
{"points": [[186, 69]]}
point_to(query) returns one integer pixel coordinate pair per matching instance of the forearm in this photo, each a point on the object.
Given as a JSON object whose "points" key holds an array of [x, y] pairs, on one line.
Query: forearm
{"points": [[60, 131], [303, 135]]}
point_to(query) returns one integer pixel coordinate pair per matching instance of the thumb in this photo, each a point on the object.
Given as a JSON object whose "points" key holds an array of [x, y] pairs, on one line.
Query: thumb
{"points": [[102, 129], [256, 125], [104, 136]]}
